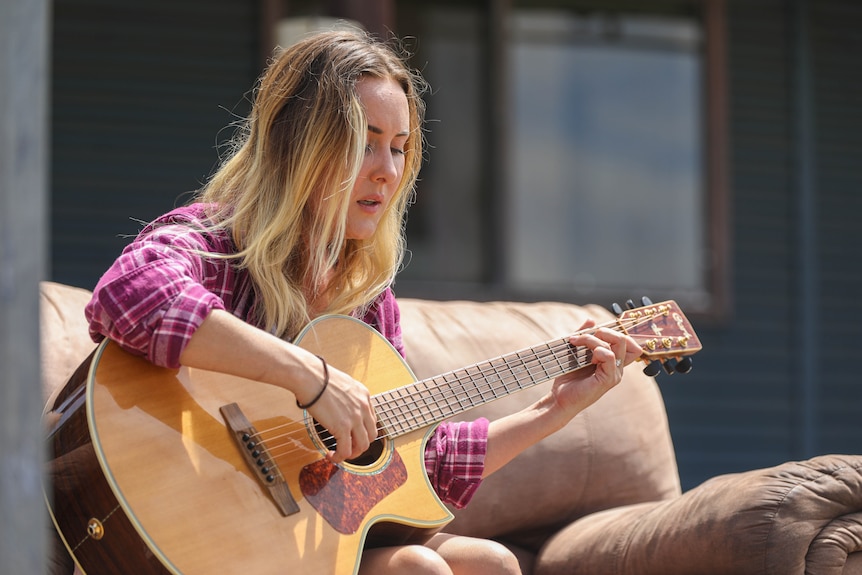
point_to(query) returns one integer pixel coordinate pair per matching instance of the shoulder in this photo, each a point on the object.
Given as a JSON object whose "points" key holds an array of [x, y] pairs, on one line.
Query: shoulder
{"points": [[384, 316], [384, 309], [194, 216], [190, 224]]}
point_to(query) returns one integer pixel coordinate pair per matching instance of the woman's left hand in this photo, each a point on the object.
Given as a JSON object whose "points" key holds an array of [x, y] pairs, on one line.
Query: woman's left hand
{"points": [[570, 394], [611, 351]]}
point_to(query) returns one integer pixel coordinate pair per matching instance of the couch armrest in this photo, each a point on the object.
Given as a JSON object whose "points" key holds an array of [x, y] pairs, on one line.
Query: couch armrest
{"points": [[796, 518]]}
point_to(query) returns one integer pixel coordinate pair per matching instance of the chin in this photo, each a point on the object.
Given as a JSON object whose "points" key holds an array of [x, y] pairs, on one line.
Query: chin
{"points": [[359, 236], [365, 232]]}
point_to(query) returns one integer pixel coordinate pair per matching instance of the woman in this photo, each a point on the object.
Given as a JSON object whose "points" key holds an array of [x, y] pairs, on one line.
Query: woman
{"points": [[305, 218]]}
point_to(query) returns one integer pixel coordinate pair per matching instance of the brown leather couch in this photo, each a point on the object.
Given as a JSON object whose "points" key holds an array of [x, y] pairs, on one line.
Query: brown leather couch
{"points": [[603, 495]]}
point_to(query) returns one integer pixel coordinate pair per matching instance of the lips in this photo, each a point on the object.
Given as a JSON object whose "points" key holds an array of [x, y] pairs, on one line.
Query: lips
{"points": [[371, 201]]}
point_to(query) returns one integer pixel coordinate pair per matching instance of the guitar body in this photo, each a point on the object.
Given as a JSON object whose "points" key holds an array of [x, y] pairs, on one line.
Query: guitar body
{"points": [[147, 477]]}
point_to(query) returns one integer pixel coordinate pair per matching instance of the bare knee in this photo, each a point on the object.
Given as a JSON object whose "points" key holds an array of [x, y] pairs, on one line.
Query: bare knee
{"points": [[496, 559], [406, 560], [474, 556]]}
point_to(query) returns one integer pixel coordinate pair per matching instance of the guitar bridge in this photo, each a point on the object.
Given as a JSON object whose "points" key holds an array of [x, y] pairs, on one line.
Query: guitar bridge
{"points": [[256, 456]]}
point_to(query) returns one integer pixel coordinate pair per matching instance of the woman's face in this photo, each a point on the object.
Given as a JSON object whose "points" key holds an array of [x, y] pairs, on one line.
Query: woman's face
{"points": [[388, 117]]}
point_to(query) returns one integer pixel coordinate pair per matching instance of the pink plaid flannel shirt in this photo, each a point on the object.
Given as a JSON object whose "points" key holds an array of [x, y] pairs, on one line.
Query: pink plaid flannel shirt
{"points": [[159, 291]]}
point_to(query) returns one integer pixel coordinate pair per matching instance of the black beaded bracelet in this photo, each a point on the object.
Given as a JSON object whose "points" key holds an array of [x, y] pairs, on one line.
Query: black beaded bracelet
{"points": [[322, 389]]}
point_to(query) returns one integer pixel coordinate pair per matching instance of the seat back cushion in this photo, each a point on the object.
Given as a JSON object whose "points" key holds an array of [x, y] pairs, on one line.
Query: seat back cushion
{"points": [[617, 452]]}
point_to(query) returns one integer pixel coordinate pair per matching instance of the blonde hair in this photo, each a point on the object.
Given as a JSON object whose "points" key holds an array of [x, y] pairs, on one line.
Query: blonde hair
{"points": [[284, 192]]}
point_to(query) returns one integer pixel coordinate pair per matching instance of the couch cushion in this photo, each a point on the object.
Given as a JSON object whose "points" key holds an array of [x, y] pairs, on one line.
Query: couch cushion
{"points": [[617, 452], [65, 339]]}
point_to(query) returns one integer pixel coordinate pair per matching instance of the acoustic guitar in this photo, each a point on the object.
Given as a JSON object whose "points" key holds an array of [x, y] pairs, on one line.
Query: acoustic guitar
{"points": [[192, 472]]}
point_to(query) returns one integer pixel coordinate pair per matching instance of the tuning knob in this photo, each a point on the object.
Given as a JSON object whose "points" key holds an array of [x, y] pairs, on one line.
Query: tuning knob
{"points": [[669, 366], [630, 304], [653, 368], [617, 309], [645, 301], [684, 365]]}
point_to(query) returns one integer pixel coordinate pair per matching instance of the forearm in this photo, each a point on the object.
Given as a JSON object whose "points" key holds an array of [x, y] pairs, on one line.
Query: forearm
{"points": [[510, 435], [226, 344], [570, 394]]}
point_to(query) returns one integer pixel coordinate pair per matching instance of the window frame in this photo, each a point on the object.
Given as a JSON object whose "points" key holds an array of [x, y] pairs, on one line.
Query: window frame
{"points": [[495, 162], [497, 159]]}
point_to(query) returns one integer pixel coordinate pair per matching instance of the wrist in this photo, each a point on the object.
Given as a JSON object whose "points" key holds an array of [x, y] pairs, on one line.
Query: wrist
{"points": [[552, 415], [316, 398]]}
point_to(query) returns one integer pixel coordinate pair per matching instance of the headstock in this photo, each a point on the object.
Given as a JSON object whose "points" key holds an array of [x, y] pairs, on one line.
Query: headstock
{"points": [[664, 333]]}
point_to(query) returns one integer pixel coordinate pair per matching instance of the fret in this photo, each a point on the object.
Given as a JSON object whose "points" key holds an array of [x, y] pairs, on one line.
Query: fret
{"points": [[502, 371], [454, 398], [429, 394], [480, 382], [388, 407], [523, 367], [430, 401], [429, 397], [401, 408], [544, 365]]}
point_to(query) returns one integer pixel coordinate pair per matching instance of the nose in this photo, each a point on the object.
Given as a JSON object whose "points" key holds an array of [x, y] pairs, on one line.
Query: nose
{"points": [[384, 169]]}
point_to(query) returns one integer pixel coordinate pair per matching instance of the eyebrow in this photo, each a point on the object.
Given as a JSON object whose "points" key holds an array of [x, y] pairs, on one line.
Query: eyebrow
{"points": [[376, 130]]}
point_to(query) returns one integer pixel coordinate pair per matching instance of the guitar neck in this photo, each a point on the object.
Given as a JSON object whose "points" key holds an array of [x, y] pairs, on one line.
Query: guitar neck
{"points": [[661, 329], [430, 401]]}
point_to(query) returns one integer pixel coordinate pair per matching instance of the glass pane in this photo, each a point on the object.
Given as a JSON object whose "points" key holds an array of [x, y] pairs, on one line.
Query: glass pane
{"points": [[607, 186]]}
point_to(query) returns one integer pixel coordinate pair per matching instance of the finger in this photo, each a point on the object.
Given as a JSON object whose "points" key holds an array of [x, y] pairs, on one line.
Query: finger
{"points": [[626, 349], [633, 350], [360, 444], [343, 445], [371, 425], [599, 350]]}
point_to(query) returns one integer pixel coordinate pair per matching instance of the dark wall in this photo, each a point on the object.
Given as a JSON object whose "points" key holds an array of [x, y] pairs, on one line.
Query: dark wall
{"points": [[777, 381], [141, 94]]}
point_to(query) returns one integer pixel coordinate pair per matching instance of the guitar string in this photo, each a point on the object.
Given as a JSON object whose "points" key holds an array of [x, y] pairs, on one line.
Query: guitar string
{"points": [[442, 392], [301, 425], [440, 387], [290, 442], [295, 444], [453, 395]]}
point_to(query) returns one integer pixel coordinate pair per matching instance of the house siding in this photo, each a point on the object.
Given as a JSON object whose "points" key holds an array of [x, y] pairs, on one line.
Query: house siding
{"points": [[141, 93], [748, 403]]}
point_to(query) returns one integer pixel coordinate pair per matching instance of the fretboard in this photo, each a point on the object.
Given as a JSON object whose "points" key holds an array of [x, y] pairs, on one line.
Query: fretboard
{"points": [[430, 401]]}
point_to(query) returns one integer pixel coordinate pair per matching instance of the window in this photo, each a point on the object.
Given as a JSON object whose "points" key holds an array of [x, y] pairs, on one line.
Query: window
{"points": [[606, 176], [576, 152]]}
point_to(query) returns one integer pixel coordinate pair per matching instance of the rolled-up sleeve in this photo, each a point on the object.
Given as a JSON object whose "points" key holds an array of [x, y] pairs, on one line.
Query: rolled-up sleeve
{"points": [[153, 297], [455, 460]]}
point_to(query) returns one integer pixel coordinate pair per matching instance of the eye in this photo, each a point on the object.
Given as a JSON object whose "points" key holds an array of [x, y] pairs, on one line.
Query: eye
{"points": [[398, 151]]}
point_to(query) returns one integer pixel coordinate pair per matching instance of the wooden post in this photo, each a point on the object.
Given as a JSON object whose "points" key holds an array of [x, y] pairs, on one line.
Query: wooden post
{"points": [[24, 43]]}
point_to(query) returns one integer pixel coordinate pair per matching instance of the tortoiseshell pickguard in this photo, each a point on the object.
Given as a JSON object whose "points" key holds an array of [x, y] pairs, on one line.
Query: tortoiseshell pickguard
{"points": [[343, 498]]}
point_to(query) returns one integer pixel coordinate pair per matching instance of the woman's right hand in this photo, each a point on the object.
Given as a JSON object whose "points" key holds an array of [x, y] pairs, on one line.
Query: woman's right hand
{"points": [[345, 410], [226, 344]]}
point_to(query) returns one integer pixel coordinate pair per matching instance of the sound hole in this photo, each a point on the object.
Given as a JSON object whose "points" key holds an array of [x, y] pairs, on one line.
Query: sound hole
{"points": [[367, 457]]}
